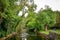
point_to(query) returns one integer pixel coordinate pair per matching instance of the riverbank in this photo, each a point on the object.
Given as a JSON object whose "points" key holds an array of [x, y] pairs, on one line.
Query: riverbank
{"points": [[47, 32]]}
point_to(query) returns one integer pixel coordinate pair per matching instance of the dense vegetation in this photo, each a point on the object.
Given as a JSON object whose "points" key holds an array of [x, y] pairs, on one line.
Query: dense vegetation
{"points": [[11, 22]]}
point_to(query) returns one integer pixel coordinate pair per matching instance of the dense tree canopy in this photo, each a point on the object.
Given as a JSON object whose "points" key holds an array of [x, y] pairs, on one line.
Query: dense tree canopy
{"points": [[45, 17]]}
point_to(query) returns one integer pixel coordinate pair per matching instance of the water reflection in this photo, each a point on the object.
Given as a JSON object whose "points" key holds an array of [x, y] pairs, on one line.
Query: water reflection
{"points": [[51, 36]]}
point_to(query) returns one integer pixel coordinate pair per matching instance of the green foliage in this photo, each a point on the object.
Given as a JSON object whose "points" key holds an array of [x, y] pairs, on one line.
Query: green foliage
{"points": [[47, 17], [31, 20], [9, 15], [42, 18], [12, 23]]}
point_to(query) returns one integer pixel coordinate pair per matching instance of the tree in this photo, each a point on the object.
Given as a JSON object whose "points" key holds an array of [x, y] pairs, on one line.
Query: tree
{"points": [[9, 17], [47, 17]]}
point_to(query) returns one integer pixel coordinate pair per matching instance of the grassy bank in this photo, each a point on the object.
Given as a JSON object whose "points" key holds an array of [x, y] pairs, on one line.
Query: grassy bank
{"points": [[47, 32]]}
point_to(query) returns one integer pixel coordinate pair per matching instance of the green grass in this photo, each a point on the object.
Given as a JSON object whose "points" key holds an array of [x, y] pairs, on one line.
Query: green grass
{"points": [[58, 31], [47, 32]]}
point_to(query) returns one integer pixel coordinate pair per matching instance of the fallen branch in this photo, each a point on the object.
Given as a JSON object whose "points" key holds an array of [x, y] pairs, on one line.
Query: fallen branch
{"points": [[9, 36]]}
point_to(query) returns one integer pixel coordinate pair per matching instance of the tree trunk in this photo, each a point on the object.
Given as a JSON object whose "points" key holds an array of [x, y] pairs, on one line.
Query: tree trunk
{"points": [[46, 28]]}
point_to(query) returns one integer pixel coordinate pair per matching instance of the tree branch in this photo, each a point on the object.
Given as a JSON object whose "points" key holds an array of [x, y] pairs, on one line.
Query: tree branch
{"points": [[9, 36]]}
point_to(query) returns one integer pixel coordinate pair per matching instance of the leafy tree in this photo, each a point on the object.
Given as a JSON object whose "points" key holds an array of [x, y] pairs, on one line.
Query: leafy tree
{"points": [[47, 17], [9, 17], [44, 19]]}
